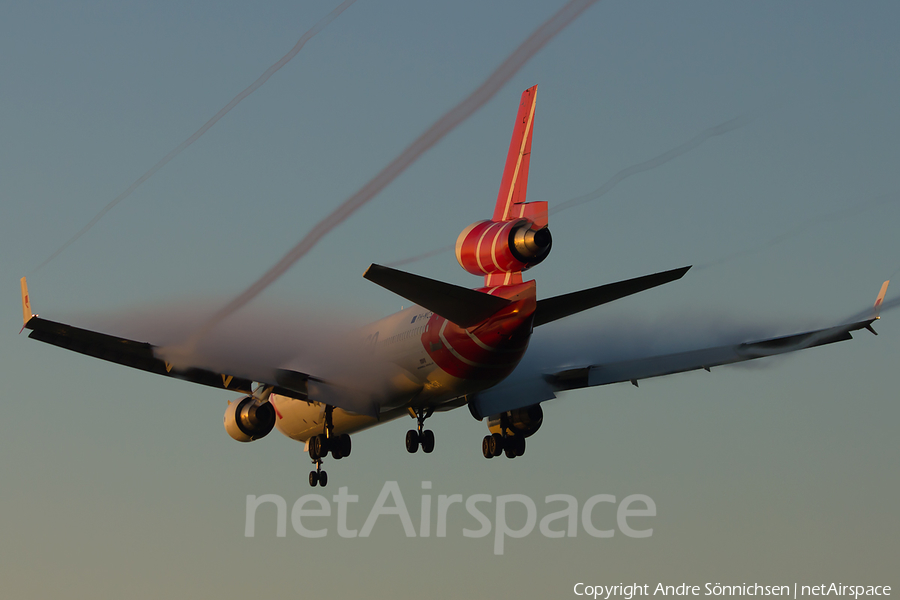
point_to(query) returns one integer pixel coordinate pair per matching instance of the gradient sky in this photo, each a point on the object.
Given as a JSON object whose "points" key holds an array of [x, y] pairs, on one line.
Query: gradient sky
{"points": [[118, 483]]}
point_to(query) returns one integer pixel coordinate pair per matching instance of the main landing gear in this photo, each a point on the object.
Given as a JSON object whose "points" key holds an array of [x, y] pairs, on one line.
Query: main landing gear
{"points": [[496, 444], [322, 444], [419, 435]]}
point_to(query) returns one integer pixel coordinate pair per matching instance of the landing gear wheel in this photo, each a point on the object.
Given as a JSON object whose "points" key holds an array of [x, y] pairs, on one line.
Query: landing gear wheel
{"points": [[321, 444], [419, 435], [344, 443], [519, 445], [509, 447], [412, 441], [427, 441], [496, 444], [486, 447]]}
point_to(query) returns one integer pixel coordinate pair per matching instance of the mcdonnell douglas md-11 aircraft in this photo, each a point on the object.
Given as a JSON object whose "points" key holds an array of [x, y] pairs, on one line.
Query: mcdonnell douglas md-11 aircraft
{"points": [[454, 348]]}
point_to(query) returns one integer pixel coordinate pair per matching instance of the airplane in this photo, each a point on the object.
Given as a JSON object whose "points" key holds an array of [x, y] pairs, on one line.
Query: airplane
{"points": [[454, 347]]}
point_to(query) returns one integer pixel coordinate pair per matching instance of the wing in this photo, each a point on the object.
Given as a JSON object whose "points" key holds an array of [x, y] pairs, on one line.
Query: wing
{"points": [[544, 386], [150, 358], [706, 358], [131, 353]]}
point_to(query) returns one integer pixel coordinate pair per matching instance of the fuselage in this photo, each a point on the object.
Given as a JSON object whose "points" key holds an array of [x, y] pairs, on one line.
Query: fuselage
{"points": [[423, 361]]}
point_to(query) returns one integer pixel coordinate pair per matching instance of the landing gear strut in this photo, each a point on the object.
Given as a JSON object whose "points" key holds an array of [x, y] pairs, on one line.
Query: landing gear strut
{"points": [[322, 444], [496, 444], [420, 436]]}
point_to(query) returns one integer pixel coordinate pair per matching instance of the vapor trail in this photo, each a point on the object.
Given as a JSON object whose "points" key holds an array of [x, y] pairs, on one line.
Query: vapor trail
{"points": [[456, 115], [613, 181], [870, 312], [837, 215], [234, 102], [660, 160], [423, 256]]}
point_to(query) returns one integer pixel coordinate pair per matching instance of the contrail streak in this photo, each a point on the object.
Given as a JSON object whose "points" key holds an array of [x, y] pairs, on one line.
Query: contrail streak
{"points": [[870, 312], [456, 115], [837, 215], [660, 160], [234, 102], [613, 181], [418, 257]]}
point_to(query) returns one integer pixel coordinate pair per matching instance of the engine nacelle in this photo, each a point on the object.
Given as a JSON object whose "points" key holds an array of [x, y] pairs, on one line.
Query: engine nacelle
{"points": [[490, 247], [247, 420], [522, 421]]}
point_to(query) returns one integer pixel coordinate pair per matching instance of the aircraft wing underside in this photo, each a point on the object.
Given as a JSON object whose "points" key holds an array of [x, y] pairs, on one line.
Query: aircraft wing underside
{"points": [[543, 386], [145, 356]]}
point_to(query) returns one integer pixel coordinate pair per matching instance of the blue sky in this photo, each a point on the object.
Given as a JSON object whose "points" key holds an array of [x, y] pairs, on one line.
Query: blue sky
{"points": [[119, 482]]}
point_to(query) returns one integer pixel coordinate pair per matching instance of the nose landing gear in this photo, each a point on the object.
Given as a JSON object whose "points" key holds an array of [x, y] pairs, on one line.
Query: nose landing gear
{"points": [[318, 476]]}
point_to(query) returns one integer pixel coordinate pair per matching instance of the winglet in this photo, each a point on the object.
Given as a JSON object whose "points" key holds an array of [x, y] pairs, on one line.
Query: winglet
{"points": [[26, 305], [878, 300]]}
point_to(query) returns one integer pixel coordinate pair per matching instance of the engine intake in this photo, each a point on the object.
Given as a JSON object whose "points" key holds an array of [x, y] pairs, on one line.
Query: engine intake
{"points": [[489, 247], [247, 419]]}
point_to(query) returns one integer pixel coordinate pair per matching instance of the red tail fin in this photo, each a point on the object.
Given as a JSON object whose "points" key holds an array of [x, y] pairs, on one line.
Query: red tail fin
{"points": [[515, 175]]}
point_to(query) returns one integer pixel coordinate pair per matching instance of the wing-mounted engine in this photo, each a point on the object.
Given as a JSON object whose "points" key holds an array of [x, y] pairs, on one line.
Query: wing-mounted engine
{"points": [[522, 421], [496, 247], [509, 430], [249, 419]]}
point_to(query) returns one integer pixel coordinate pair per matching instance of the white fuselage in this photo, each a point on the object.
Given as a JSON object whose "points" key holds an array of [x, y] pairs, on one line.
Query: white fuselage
{"points": [[407, 378]]}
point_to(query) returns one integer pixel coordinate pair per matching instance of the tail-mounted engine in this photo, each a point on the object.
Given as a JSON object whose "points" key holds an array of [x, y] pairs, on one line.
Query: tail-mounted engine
{"points": [[249, 419], [489, 247], [522, 421]]}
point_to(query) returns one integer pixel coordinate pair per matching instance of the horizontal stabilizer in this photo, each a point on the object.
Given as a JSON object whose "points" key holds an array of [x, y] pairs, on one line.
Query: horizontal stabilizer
{"points": [[458, 305], [551, 309]]}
